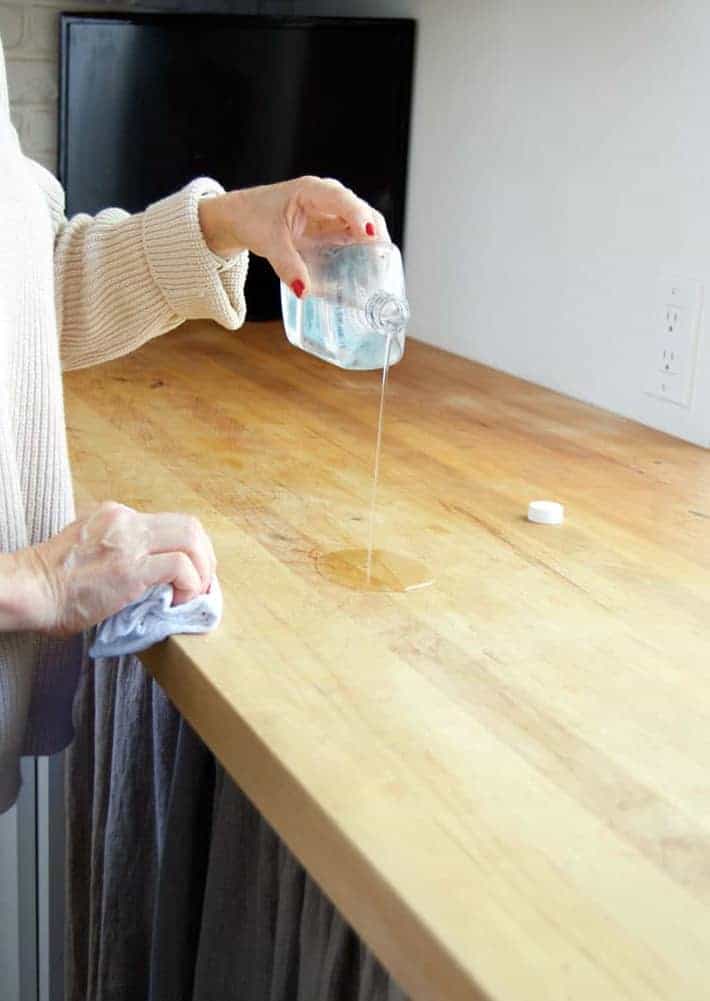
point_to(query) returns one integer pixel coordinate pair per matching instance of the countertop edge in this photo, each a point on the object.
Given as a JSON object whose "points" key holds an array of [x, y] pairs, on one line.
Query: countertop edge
{"points": [[352, 883]]}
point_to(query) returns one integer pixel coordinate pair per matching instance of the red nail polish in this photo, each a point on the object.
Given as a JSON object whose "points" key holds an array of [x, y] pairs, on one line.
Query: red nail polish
{"points": [[297, 288], [370, 229]]}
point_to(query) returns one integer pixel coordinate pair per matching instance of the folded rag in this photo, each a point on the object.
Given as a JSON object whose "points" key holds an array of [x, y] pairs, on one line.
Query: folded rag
{"points": [[150, 619]]}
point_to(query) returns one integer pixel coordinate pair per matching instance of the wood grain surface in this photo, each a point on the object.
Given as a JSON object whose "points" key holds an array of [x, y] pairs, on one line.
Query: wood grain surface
{"points": [[502, 780]]}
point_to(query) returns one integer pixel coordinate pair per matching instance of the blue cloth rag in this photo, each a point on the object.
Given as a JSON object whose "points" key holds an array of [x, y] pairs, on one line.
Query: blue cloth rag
{"points": [[153, 617]]}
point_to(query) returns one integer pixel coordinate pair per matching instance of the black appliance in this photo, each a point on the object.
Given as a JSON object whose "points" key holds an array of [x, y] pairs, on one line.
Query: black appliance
{"points": [[149, 101]]}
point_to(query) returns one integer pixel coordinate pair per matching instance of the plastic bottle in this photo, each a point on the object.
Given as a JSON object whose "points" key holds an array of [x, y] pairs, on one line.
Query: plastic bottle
{"points": [[356, 302]]}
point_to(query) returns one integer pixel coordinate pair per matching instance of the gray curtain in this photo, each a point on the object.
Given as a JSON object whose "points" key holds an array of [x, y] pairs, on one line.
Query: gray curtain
{"points": [[178, 889]]}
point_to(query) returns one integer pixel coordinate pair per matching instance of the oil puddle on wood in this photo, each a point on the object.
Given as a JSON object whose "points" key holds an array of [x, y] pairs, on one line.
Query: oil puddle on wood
{"points": [[387, 571]]}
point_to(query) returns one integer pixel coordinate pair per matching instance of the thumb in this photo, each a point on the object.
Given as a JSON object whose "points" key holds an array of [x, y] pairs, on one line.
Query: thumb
{"points": [[290, 266]]}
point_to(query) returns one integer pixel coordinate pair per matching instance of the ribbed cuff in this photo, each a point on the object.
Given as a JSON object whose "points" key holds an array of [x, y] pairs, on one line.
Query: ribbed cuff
{"points": [[182, 265]]}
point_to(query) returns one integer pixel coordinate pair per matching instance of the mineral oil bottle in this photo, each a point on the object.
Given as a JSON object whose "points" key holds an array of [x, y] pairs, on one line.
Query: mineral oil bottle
{"points": [[356, 303]]}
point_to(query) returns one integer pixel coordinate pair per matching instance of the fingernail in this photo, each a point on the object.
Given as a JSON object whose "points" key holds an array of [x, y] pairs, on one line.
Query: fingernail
{"points": [[370, 229], [297, 288]]}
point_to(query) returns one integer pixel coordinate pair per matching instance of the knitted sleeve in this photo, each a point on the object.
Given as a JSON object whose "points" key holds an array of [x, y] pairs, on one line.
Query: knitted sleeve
{"points": [[122, 279]]}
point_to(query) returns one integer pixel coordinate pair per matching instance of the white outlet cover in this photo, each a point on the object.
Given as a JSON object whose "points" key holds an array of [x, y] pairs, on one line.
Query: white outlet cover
{"points": [[676, 387]]}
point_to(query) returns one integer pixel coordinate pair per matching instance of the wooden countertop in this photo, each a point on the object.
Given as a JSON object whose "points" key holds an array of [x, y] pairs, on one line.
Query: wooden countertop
{"points": [[502, 780]]}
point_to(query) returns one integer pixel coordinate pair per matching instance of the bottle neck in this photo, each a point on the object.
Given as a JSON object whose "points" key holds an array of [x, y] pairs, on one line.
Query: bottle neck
{"points": [[386, 313]]}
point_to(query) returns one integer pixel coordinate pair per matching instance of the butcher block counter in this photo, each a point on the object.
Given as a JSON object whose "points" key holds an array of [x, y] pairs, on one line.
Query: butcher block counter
{"points": [[502, 780]]}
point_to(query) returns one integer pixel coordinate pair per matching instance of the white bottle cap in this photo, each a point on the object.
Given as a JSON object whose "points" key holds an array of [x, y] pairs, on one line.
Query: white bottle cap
{"points": [[546, 512]]}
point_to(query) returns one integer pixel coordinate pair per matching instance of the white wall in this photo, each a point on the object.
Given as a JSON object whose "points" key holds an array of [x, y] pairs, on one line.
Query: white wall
{"points": [[560, 165]]}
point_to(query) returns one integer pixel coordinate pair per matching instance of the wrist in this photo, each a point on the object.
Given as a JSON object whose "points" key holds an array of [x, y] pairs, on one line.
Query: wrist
{"points": [[24, 592], [218, 216]]}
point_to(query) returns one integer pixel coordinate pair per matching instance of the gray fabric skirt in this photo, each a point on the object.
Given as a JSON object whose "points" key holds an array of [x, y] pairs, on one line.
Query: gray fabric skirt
{"points": [[177, 888]]}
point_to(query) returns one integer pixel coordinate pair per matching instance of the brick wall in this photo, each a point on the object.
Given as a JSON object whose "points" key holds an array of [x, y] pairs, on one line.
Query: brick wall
{"points": [[30, 35]]}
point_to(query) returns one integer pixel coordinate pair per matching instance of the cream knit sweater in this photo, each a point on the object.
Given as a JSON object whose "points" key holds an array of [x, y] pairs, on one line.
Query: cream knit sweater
{"points": [[72, 294]]}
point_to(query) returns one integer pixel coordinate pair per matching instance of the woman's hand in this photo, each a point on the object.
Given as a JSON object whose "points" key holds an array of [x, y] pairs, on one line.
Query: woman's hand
{"points": [[102, 562], [277, 220]]}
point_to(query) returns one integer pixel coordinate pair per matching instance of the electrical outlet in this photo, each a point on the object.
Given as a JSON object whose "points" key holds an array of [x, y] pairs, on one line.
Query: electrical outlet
{"points": [[666, 386], [673, 319], [675, 342], [670, 360]]}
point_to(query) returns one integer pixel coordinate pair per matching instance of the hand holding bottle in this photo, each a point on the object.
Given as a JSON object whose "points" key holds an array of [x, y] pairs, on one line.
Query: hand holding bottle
{"points": [[277, 221]]}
